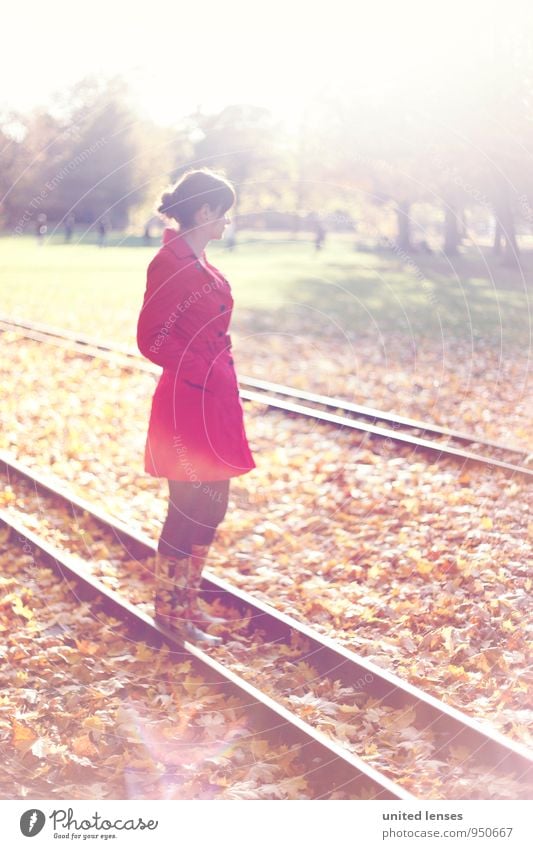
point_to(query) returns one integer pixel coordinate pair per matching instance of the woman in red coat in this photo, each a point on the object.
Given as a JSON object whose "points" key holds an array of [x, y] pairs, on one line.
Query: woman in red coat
{"points": [[196, 437]]}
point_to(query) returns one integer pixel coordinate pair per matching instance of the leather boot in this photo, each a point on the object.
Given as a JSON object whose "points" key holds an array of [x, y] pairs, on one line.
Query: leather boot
{"points": [[173, 599], [164, 598], [199, 614]]}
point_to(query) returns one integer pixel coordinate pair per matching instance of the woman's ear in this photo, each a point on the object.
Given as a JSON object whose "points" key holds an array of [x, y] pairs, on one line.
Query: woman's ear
{"points": [[208, 214]]}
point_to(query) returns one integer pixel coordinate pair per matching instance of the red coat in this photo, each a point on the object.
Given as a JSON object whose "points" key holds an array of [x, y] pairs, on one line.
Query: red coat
{"points": [[196, 430]]}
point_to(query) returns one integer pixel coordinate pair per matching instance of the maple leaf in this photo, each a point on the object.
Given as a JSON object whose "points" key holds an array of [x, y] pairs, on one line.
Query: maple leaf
{"points": [[94, 723], [399, 719], [143, 652], [259, 747], [22, 737], [83, 746], [86, 647], [21, 610]]}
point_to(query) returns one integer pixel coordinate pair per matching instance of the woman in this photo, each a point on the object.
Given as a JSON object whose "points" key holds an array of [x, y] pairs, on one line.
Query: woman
{"points": [[196, 437]]}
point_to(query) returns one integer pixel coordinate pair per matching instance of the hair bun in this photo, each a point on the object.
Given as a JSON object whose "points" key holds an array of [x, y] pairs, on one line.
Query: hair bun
{"points": [[193, 189], [167, 202]]}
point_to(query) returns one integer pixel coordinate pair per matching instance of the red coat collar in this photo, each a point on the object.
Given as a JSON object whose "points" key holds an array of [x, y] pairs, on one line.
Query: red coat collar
{"points": [[178, 243]]}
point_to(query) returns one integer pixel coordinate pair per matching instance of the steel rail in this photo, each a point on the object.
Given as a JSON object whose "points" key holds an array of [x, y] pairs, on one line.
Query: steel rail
{"points": [[131, 359], [449, 725], [338, 769], [373, 413], [385, 433]]}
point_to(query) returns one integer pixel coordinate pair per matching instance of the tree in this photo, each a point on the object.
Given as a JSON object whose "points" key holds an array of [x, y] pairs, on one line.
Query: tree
{"points": [[243, 141]]}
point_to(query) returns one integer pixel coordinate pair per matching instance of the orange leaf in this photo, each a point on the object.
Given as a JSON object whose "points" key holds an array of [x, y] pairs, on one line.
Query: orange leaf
{"points": [[83, 746], [87, 647], [22, 736]]}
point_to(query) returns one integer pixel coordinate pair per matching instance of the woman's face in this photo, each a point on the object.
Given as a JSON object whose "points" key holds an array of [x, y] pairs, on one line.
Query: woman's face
{"points": [[216, 223]]}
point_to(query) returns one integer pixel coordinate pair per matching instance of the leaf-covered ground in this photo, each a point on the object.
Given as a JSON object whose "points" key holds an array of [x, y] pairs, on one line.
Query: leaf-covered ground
{"points": [[420, 565], [469, 385], [393, 739], [465, 385], [86, 712]]}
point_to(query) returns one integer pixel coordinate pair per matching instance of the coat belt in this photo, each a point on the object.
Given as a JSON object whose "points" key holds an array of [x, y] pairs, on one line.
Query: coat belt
{"points": [[209, 347], [214, 345]]}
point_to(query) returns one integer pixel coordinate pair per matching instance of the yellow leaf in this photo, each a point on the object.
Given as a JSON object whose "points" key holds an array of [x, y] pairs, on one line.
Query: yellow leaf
{"points": [[143, 652], [20, 609], [412, 505], [94, 722], [482, 663], [447, 638], [367, 615], [486, 523], [22, 736], [259, 748], [400, 719], [460, 754], [349, 709], [424, 566], [457, 671]]}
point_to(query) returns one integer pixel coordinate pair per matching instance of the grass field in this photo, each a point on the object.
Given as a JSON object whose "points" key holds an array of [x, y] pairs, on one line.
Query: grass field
{"points": [[280, 284]]}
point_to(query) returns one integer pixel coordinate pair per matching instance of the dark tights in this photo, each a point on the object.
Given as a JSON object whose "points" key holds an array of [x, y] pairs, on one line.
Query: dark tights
{"points": [[194, 511]]}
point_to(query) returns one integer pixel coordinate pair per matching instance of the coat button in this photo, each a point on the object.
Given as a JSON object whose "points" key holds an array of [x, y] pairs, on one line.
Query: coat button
{"points": [[221, 333], [222, 307], [230, 361]]}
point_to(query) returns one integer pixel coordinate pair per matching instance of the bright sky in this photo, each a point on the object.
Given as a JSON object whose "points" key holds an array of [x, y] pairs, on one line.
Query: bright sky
{"points": [[274, 54]]}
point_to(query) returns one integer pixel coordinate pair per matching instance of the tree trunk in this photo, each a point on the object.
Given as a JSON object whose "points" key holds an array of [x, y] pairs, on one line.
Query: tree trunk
{"points": [[505, 228], [451, 230], [404, 225], [498, 237], [506, 225]]}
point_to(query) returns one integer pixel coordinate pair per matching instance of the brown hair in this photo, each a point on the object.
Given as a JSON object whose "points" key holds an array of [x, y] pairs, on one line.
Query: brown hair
{"points": [[194, 188]]}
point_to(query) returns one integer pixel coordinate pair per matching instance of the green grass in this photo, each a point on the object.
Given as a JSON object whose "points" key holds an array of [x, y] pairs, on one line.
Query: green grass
{"points": [[277, 284]]}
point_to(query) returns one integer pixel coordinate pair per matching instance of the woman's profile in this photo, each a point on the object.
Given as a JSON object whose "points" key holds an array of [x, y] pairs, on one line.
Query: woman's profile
{"points": [[196, 437]]}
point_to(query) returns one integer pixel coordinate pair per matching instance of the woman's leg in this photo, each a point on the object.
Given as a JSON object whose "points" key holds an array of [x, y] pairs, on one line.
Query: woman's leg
{"points": [[194, 512], [176, 534], [174, 564], [212, 507]]}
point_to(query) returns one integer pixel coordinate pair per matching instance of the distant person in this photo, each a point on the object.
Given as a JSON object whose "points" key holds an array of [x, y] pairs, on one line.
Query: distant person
{"points": [[69, 227], [320, 234], [423, 247], [147, 236], [102, 231], [230, 236], [42, 227]]}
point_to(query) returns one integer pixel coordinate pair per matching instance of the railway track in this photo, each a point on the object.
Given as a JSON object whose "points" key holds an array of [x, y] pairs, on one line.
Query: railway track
{"points": [[330, 769], [421, 436], [483, 752]]}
